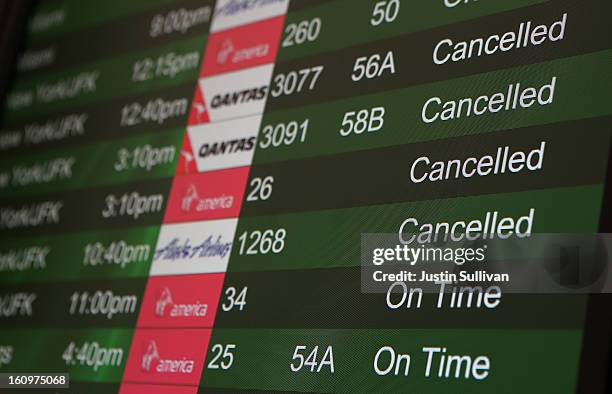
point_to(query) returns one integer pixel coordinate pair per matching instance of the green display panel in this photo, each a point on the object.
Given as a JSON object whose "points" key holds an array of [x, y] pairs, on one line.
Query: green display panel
{"points": [[196, 196]]}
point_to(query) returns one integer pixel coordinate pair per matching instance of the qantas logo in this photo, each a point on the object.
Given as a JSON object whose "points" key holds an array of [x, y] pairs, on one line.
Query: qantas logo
{"points": [[165, 306], [239, 97], [188, 160], [187, 163], [222, 145], [231, 146], [237, 94], [198, 113], [192, 201], [152, 361]]}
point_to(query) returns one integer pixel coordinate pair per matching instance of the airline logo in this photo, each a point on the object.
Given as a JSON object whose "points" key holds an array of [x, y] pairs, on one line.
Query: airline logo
{"points": [[220, 145], [237, 94], [242, 47], [128, 388], [232, 13], [149, 356], [193, 248], [186, 163], [206, 196], [198, 113], [165, 299], [181, 301], [167, 356]]}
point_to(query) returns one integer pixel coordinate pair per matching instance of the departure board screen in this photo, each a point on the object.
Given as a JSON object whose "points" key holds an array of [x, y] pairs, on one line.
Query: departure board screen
{"points": [[304, 196]]}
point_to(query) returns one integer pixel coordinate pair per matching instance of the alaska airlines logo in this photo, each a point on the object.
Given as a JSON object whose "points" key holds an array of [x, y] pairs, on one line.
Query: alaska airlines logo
{"points": [[180, 250], [227, 51], [192, 201], [234, 7], [165, 304], [150, 356], [240, 97], [231, 146]]}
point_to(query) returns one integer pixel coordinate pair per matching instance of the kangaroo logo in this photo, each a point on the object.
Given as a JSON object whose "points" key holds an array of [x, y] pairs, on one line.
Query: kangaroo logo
{"points": [[188, 158], [200, 111], [149, 355], [165, 299]]}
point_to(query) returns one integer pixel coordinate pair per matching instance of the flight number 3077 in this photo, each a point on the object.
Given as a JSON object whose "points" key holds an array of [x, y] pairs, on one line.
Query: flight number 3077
{"points": [[296, 81]]}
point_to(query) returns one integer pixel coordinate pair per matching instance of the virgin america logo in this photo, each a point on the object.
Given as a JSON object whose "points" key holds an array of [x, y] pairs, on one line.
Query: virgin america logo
{"points": [[165, 300], [151, 354], [192, 201], [226, 48], [227, 51]]}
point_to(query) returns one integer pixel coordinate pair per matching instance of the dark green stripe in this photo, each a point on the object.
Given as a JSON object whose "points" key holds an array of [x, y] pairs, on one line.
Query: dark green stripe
{"points": [[521, 360], [403, 107], [28, 356], [332, 238], [413, 16], [116, 161]]}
